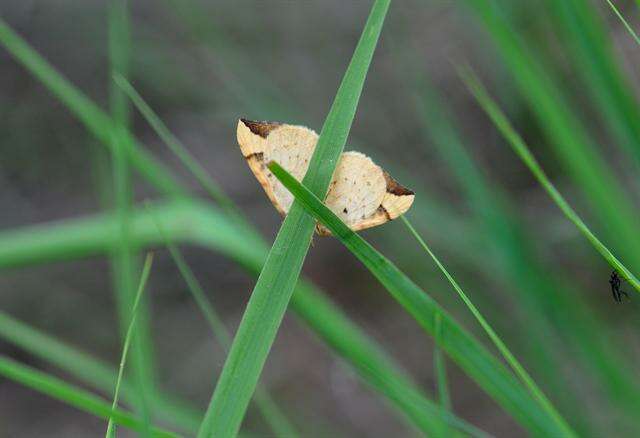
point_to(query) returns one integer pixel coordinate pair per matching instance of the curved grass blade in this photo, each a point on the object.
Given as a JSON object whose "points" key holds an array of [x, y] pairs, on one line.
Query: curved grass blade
{"points": [[79, 398], [200, 224], [520, 371], [279, 275], [111, 431], [470, 355], [520, 148]]}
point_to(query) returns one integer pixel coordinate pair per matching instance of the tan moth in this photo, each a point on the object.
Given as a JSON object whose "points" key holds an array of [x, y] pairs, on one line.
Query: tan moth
{"points": [[360, 193]]}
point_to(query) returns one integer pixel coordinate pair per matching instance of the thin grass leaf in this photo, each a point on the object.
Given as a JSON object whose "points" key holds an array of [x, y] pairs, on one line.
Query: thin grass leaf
{"points": [[520, 371], [176, 147], [571, 141], [279, 275], [440, 366], [123, 261], [200, 224], [521, 149], [79, 398], [547, 300], [586, 46], [273, 415], [95, 120], [90, 370], [624, 22], [111, 431], [467, 352]]}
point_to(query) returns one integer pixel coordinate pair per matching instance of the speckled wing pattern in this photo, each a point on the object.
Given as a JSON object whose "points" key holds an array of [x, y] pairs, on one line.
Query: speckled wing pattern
{"points": [[360, 193]]}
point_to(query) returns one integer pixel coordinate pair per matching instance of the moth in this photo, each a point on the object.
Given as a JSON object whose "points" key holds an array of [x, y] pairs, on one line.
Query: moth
{"points": [[360, 193]]}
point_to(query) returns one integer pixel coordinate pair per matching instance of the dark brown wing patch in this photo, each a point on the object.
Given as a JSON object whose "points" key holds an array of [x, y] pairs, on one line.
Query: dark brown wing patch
{"points": [[260, 128], [394, 188]]}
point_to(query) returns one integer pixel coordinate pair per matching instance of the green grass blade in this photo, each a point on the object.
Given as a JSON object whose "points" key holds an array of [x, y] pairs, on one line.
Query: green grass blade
{"points": [[123, 261], [279, 275], [111, 432], [190, 162], [624, 22], [586, 45], [572, 143], [521, 149], [81, 399], [89, 370], [95, 120], [546, 298], [470, 355], [440, 366], [520, 371], [272, 414]]}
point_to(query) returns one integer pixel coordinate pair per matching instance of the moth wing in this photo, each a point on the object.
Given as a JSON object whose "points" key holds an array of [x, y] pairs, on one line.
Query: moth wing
{"points": [[363, 195], [289, 145]]}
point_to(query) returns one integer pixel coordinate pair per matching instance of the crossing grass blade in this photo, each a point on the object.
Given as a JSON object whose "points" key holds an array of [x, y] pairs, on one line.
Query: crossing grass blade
{"points": [[111, 431], [202, 225], [71, 395], [522, 150], [519, 370], [467, 352], [279, 275]]}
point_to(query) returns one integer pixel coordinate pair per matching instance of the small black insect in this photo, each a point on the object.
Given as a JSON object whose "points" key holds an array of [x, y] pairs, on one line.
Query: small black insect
{"points": [[615, 282]]}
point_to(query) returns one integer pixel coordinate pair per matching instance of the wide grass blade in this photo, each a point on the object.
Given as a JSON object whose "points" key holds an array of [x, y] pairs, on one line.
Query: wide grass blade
{"points": [[467, 352], [521, 149], [69, 394], [279, 275], [520, 371], [200, 224], [111, 431]]}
